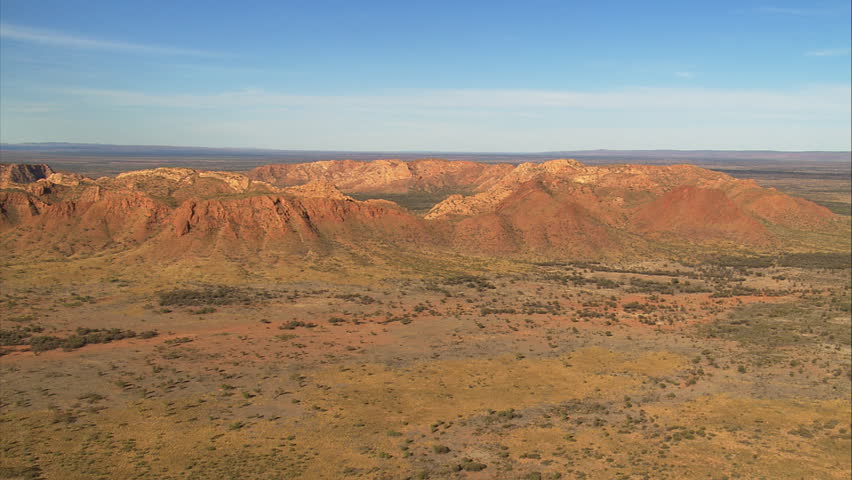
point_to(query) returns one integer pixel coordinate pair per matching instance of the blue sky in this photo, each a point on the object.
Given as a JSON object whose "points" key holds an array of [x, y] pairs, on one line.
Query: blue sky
{"points": [[440, 76]]}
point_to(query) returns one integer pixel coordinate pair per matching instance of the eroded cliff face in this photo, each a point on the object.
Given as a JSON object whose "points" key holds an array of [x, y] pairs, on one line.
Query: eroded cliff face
{"points": [[559, 209], [12, 173]]}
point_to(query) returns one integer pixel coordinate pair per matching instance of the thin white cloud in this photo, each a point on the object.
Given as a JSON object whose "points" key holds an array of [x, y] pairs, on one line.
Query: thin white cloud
{"points": [[685, 74], [799, 12], [31, 107], [829, 52], [60, 39], [833, 99]]}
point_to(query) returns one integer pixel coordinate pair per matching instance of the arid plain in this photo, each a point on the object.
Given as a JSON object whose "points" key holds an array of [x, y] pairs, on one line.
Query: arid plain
{"points": [[425, 319]]}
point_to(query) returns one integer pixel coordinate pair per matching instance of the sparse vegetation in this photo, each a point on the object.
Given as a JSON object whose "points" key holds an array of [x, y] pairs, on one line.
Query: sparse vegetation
{"points": [[81, 337], [213, 295], [667, 361]]}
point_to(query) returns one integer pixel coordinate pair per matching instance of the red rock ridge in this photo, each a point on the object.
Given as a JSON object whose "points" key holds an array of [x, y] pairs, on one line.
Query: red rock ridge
{"points": [[385, 176], [559, 208]]}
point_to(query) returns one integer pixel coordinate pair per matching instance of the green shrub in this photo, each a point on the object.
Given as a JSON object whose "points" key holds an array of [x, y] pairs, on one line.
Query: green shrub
{"points": [[45, 343], [212, 295]]}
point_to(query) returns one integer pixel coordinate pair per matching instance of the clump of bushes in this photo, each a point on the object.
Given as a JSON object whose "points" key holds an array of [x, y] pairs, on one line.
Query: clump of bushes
{"points": [[837, 261], [293, 324], [468, 465], [18, 335], [212, 295], [551, 307], [80, 338], [403, 319], [470, 281], [491, 311], [759, 261], [357, 298], [45, 343]]}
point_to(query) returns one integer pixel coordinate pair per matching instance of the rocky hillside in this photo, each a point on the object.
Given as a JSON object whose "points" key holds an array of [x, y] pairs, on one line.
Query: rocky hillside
{"points": [[563, 204], [556, 209], [178, 212]]}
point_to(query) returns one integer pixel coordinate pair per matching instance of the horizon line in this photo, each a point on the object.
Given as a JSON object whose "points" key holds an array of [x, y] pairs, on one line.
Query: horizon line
{"points": [[259, 149]]}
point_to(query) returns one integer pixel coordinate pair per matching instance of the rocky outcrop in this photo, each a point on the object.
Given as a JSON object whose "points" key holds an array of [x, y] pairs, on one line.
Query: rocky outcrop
{"points": [[318, 189], [22, 173]]}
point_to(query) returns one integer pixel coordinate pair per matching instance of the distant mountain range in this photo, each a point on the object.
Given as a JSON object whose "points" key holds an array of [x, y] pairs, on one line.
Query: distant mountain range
{"points": [[595, 156]]}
